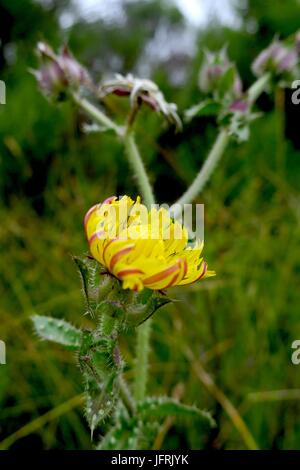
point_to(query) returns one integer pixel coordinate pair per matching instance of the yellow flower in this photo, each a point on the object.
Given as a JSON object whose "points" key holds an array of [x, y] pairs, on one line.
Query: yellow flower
{"points": [[142, 248]]}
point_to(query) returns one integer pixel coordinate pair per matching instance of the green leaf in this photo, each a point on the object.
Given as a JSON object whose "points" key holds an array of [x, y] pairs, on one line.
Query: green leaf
{"points": [[205, 108], [101, 364], [87, 270], [124, 435], [97, 283], [59, 331], [163, 407], [226, 82], [143, 305]]}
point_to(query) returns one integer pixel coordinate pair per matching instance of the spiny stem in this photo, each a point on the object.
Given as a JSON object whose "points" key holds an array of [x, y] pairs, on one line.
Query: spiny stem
{"points": [[138, 167]]}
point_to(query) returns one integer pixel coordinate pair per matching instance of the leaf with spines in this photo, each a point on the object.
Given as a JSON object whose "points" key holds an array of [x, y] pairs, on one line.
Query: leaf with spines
{"points": [[162, 407], [87, 269], [143, 305], [101, 366], [125, 432], [58, 331], [97, 284]]}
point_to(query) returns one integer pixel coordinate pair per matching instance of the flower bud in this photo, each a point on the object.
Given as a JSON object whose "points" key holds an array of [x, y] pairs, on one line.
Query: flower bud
{"points": [[213, 71], [59, 72], [276, 58]]}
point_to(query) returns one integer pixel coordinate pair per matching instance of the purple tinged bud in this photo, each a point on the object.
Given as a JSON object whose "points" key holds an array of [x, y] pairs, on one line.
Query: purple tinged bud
{"points": [[59, 72], [297, 42], [277, 58], [288, 61], [214, 67], [240, 106]]}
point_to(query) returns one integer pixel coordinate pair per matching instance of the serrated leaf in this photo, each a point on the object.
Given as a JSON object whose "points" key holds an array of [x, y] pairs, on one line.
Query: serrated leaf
{"points": [[58, 331], [163, 407], [100, 399], [101, 364]]}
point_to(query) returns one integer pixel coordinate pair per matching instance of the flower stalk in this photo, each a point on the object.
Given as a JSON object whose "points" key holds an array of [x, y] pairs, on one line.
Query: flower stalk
{"points": [[97, 114], [206, 171], [258, 87], [138, 167], [219, 147]]}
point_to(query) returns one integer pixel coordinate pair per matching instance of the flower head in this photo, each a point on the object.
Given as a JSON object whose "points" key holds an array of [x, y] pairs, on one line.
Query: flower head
{"points": [[141, 91], [141, 247], [59, 72], [276, 58]]}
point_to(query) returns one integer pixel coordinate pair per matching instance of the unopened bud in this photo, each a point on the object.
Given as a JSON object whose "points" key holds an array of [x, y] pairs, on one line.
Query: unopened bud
{"points": [[213, 70], [59, 72], [276, 58]]}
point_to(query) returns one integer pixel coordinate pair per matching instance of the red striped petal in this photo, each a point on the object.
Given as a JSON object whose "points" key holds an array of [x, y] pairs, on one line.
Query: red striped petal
{"points": [[88, 215], [172, 282], [109, 200], [96, 235], [127, 272], [204, 269], [115, 258], [163, 274], [105, 248]]}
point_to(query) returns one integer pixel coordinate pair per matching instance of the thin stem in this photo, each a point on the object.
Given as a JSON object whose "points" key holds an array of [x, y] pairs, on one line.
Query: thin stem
{"points": [[129, 143], [207, 169], [97, 114], [258, 87], [138, 168], [142, 360]]}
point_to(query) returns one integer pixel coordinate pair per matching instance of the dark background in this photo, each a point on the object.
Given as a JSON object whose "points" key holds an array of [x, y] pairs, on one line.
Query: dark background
{"points": [[239, 325]]}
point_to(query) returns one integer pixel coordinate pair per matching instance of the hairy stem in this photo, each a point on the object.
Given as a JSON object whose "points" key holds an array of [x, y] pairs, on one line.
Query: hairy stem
{"points": [[218, 149], [97, 114], [143, 331], [258, 87], [207, 169], [138, 167], [142, 360]]}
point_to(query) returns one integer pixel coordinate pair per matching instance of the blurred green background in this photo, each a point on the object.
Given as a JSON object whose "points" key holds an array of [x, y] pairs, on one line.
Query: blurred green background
{"points": [[230, 337]]}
